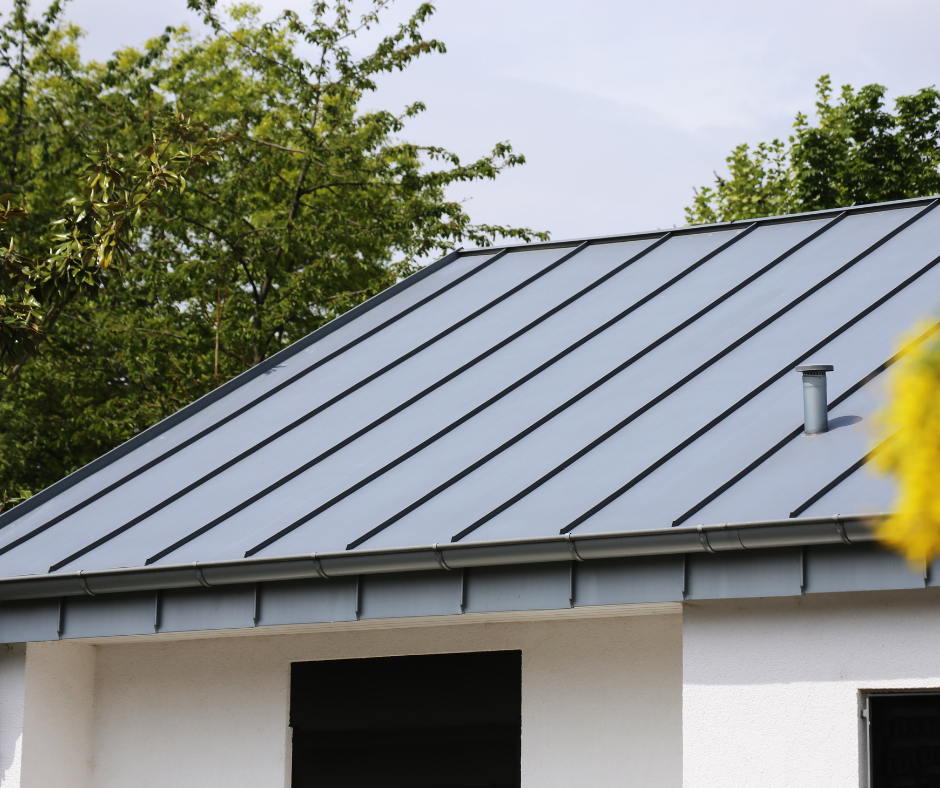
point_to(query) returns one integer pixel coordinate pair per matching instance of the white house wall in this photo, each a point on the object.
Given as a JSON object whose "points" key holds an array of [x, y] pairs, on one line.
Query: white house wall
{"points": [[601, 701], [12, 689], [57, 715], [772, 688]]}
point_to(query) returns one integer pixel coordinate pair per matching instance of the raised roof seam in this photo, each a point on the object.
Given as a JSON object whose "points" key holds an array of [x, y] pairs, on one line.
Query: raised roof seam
{"points": [[839, 479], [83, 526], [146, 436], [652, 403]]}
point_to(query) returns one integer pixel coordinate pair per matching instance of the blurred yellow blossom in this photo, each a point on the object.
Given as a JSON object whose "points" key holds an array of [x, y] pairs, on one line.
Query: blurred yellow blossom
{"points": [[909, 445]]}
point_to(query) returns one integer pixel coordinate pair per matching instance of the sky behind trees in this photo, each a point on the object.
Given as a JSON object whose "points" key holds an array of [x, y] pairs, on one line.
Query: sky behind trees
{"points": [[620, 108]]}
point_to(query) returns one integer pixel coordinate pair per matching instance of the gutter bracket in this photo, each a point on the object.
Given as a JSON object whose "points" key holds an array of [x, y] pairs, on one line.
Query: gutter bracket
{"points": [[318, 568], [572, 548], [703, 538], [840, 528], [439, 557], [200, 577], [84, 583]]}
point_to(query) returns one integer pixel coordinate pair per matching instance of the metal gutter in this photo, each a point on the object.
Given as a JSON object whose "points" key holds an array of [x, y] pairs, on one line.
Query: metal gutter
{"points": [[582, 547]]}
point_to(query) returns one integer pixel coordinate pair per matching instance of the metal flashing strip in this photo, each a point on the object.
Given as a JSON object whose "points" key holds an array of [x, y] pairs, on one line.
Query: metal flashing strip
{"points": [[795, 433], [456, 556], [746, 398], [297, 422], [480, 408], [239, 380], [417, 397], [475, 618]]}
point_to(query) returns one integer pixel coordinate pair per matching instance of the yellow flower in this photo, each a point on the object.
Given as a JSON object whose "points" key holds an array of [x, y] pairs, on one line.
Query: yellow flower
{"points": [[910, 425]]}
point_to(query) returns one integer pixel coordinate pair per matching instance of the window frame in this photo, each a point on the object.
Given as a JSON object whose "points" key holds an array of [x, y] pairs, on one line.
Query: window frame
{"points": [[865, 713]]}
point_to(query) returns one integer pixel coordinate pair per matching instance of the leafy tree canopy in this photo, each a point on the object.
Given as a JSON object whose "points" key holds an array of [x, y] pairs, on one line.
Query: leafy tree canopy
{"points": [[856, 152], [302, 206]]}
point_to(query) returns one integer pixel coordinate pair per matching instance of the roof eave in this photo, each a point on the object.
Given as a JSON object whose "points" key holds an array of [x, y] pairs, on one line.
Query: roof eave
{"points": [[724, 537]]}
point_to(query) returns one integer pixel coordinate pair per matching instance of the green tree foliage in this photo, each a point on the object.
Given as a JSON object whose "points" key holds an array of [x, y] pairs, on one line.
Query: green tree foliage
{"points": [[314, 206], [857, 152]]}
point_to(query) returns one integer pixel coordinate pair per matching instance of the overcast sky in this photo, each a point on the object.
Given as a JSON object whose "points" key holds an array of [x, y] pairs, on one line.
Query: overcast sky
{"points": [[621, 108]]}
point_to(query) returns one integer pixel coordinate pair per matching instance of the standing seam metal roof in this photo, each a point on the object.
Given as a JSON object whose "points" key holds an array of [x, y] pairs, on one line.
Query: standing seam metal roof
{"points": [[609, 385]]}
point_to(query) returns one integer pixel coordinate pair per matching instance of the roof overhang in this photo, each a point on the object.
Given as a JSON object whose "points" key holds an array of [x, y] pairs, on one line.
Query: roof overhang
{"points": [[725, 537]]}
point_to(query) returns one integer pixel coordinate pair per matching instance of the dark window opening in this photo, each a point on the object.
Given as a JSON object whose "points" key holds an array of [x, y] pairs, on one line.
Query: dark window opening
{"points": [[904, 737], [434, 721]]}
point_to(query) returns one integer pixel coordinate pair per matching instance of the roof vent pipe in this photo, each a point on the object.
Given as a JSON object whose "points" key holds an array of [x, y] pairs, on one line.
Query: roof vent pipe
{"points": [[815, 401]]}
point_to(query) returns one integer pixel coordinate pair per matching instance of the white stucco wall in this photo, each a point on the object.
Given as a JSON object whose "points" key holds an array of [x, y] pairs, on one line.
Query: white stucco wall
{"points": [[12, 689], [771, 687], [601, 701], [58, 715]]}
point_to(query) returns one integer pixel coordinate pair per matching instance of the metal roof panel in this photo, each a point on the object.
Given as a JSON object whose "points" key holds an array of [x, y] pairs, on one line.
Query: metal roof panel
{"points": [[604, 386]]}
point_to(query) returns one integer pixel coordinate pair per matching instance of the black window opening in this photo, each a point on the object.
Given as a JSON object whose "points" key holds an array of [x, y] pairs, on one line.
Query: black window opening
{"points": [[433, 721], [904, 740]]}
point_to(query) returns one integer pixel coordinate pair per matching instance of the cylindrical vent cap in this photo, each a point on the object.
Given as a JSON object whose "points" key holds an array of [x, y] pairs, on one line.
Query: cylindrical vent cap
{"points": [[815, 400]]}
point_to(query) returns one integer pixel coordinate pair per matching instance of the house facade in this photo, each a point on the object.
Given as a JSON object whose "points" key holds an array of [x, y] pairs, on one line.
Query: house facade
{"points": [[576, 513]]}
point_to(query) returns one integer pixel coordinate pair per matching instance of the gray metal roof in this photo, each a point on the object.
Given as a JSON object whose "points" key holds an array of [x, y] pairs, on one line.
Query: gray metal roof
{"points": [[611, 385]]}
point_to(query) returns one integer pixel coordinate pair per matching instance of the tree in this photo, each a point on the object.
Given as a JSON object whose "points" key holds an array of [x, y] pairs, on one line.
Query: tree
{"points": [[858, 152], [314, 206], [92, 236]]}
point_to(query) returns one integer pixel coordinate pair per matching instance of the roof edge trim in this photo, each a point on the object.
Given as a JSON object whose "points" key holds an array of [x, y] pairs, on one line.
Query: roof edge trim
{"points": [[797, 532], [239, 380], [692, 229]]}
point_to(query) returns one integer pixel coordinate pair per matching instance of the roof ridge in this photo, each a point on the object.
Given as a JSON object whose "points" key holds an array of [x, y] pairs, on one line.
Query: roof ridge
{"points": [[692, 229]]}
